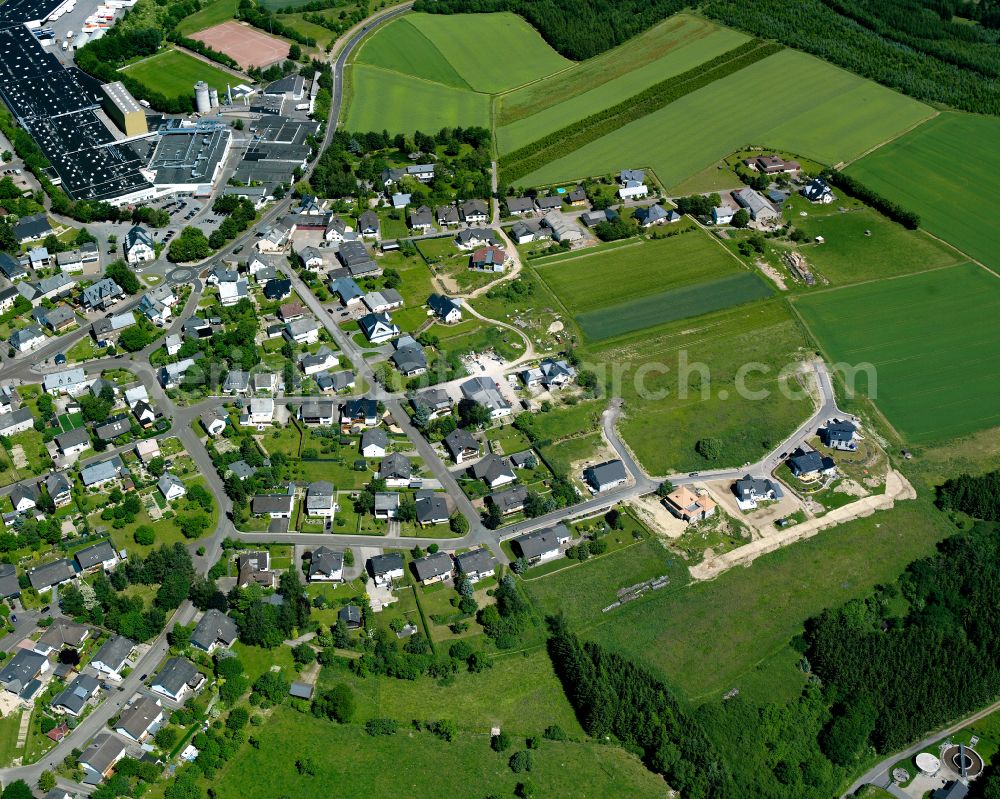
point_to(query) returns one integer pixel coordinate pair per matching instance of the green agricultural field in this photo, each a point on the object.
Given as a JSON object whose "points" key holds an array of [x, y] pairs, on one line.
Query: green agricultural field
{"points": [[669, 407], [821, 111], [492, 52], [323, 36], [733, 632], [397, 102], [678, 44], [402, 47], [215, 13], [934, 339], [353, 765], [848, 255], [174, 73], [950, 199]]}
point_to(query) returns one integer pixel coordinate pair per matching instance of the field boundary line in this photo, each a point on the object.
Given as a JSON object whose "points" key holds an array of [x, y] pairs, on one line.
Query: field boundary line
{"points": [[719, 243], [962, 252], [415, 77], [223, 67], [795, 297], [891, 139], [580, 257], [555, 296]]}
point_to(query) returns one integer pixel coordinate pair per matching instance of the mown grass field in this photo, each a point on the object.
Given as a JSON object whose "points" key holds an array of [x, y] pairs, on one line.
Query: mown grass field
{"points": [[934, 340], [215, 13], [733, 632], [669, 407], [848, 255], [402, 47], [672, 47], [323, 36], [353, 765], [821, 111], [174, 73], [386, 99], [942, 170]]}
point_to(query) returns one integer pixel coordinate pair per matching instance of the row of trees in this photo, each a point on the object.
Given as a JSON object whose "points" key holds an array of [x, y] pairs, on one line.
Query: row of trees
{"points": [[889, 208], [258, 16]]}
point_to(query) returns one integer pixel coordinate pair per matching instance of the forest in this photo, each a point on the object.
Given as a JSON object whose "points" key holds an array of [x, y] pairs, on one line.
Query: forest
{"points": [[978, 496]]}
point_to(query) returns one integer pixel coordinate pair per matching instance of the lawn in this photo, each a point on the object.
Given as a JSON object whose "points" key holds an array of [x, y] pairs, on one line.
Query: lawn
{"points": [[215, 13], [393, 101], [933, 340], [949, 201], [863, 245], [563, 454], [734, 631], [821, 111], [353, 765], [715, 377], [9, 727], [676, 45], [324, 36], [173, 73]]}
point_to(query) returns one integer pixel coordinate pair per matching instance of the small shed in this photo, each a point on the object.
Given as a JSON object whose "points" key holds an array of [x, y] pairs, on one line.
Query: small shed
{"points": [[300, 690]]}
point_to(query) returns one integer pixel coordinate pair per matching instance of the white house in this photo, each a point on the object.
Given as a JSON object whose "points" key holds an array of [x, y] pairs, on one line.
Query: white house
{"points": [[171, 486], [303, 331], [139, 246], [723, 214], [374, 443], [261, 410]]}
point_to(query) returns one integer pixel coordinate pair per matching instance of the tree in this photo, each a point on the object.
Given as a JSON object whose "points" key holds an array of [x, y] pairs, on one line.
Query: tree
{"points": [[272, 685], [46, 781], [122, 274], [709, 448], [166, 737], [501, 741], [17, 790], [190, 245], [664, 488], [520, 761], [294, 52], [303, 654], [144, 535], [472, 414], [741, 218], [847, 734], [336, 704], [156, 466], [458, 523]]}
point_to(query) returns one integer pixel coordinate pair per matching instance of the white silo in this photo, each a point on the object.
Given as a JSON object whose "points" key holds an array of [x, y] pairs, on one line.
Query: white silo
{"points": [[213, 97], [201, 101]]}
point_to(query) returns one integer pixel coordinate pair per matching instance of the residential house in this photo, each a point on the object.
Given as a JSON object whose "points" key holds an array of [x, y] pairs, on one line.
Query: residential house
{"points": [[434, 568], [760, 209], [446, 215], [606, 476], [255, 567], [117, 425], [445, 309], [461, 445], [421, 219], [493, 470], [261, 411], [303, 331], [562, 229], [146, 450], [689, 506], [61, 634], [60, 488], [73, 699], [9, 586], [139, 247], [474, 212], [378, 327], [25, 497], [140, 719], [395, 469], [99, 556], [840, 434], [549, 202], [275, 506], [549, 373], [488, 259], [369, 225], [277, 289], [101, 295], [17, 421], [361, 412], [98, 474], [818, 191], [322, 360], [214, 629], [220, 274], [312, 258], [383, 300], [348, 291], [27, 338], [177, 679], [57, 319], [107, 331], [472, 238], [156, 311], [351, 616], [510, 501], [374, 443], [73, 442], [810, 465], [577, 197], [432, 508], [230, 293], [291, 311], [172, 374], [171, 486], [751, 490], [652, 215], [213, 422], [321, 500], [113, 657], [241, 470], [32, 228], [519, 205], [356, 259], [436, 400], [237, 382], [11, 268], [771, 165], [99, 759], [8, 297], [386, 568], [723, 214], [21, 669], [144, 414], [386, 505], [67, 381], [264, 382], [408, 358], [540, 546], [326, 566], [318, 412], [39, 258], [486, 392], [274, 238], [475, 564], [400, 200], [57, 572]]}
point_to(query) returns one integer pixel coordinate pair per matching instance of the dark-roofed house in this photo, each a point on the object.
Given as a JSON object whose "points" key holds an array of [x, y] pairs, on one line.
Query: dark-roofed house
{"points": [[461, 445], [519, 205], [326, 566], [73, 699], [277, 506], [432, 508], [30, 228], [374, 443], [73, 442], [99, 556], [177, 679], [368, 224], [421, 219], [606, 476], [435, 400], [475, 564], [395, 469], [751, 490], [61, 634], [113, 656], [214, 629], [493, 470], [549, 202], [378, 327], [808, 466], [255, 567], [25, 497], [9, 585], [351, 616], [22, 669], [60, 488], [839, 435], [446, 215], [386, 568], [510, 501], [541, 545], [445, 309], [818, 191], [140, 719], [434, 568], [300, 690], [359, 412], [98, 760], [386, 505], [43, 577], [474, 212]]}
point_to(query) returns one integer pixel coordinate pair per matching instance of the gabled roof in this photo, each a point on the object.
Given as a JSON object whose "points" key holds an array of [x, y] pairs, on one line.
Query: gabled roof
{"points": [[175, 674], [383, 564], [212, 627], [139, 717], [114, 652], [76, 694], [395, 466], [432, 566], [540, 542], [376, 437], [510, 500], [491, 468], [325, 561], [49, 574], [431, 508], [459, 440], [95, 555], [475, 560]]}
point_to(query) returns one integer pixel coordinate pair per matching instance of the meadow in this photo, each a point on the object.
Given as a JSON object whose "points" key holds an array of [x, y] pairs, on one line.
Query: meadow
{"points": [[670, 404], [214, 13], [933, 339], [950, 199], [174, 73], [733, 632], [672, 47], [821, 111], [354, 765], [402, 47], [863, 245]]}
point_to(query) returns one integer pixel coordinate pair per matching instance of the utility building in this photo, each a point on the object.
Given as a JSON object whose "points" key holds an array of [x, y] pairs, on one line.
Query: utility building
{"points": [[123, 109]]}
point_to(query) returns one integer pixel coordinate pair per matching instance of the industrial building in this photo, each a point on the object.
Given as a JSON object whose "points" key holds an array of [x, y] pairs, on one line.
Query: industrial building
{"points": [[279, 144], [189, 158], [123, 109]]}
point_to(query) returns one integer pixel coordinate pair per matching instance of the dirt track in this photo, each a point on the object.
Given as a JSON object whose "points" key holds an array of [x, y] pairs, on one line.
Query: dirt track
{"points": [[896, 488]]}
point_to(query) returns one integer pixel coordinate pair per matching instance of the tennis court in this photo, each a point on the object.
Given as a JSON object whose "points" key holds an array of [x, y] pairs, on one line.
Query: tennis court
{"points": [[248, 46]]}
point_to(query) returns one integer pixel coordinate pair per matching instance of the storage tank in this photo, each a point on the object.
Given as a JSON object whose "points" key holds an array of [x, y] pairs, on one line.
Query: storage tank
{"points": [[213, 97], [201, 101]]}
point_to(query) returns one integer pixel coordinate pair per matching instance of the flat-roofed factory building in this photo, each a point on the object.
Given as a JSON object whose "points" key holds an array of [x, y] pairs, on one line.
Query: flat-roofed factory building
{"points": [[124, 110]]}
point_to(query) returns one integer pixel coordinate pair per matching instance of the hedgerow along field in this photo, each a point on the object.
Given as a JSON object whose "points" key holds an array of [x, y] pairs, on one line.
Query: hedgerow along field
{"points": [[678, 44], [820, 111], [945, 170], [662, 428], [174, 74], [934, 340]]}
